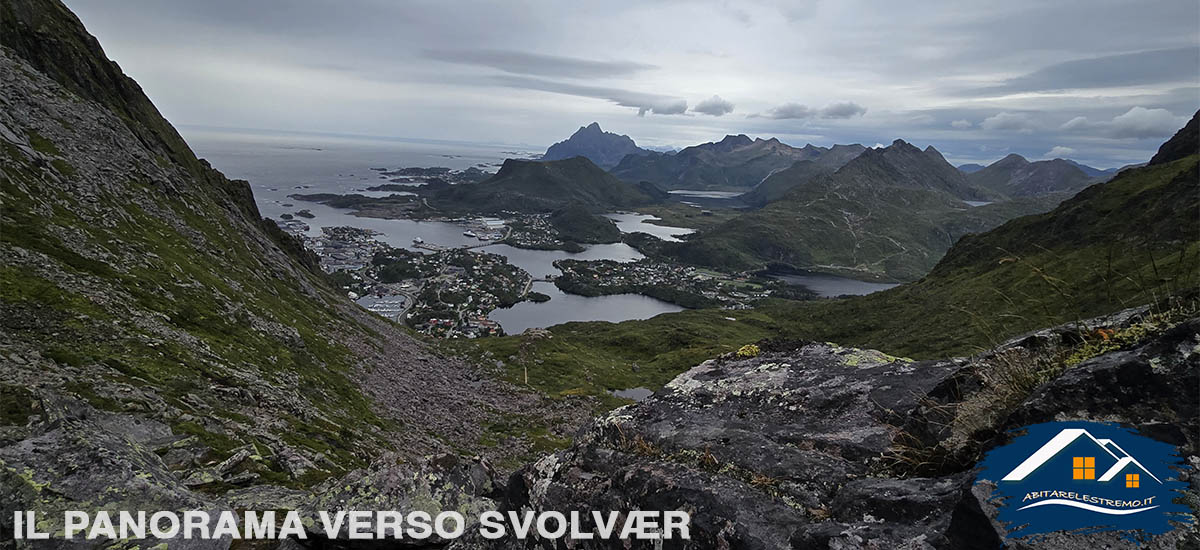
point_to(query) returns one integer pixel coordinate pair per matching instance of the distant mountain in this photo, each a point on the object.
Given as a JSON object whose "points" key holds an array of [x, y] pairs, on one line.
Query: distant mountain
{"points": [[889, 213], [782, 182], [542, 186], [736, 163], [605, 149], [1093, 173], [970, 168], [1013, 176]]}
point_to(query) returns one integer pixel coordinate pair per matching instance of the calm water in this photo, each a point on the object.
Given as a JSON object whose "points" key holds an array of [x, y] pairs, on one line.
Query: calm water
{"points": [[633, 223], [278, 165], [831, 286], [564, 307]]}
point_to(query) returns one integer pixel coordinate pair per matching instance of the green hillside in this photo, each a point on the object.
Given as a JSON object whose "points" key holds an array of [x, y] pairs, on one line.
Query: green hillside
{"points": [[888, 214], [137, 280], [576, 223], [535, 186]]}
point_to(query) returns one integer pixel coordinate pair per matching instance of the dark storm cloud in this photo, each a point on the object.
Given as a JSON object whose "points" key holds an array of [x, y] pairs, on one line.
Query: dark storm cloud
{"points": [[538, 64], [644, 102], [715, 106], [1141, 68]]}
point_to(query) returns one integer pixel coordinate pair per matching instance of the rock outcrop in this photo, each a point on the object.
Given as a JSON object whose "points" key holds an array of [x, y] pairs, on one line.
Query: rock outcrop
{"points": [[811, 445]]}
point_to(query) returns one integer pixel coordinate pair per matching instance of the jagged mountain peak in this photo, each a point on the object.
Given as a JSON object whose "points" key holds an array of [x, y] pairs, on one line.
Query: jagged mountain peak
{"points": [[605, 149]]}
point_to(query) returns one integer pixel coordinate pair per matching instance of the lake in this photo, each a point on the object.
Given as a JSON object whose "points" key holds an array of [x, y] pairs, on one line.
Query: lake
{"points": [[564, 307], [629, 222], [832, 286], [278, 165]]}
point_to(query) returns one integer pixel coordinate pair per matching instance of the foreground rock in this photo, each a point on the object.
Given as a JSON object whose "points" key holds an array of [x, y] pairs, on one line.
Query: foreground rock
{"points": [[817, 446]]}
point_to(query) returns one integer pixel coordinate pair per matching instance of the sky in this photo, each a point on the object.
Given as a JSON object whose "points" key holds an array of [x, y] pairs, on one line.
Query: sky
{"points": [[1098, 81]]}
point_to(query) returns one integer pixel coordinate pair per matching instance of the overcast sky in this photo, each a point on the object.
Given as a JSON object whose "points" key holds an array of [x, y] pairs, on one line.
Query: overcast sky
{"points": [[1099, 81]]}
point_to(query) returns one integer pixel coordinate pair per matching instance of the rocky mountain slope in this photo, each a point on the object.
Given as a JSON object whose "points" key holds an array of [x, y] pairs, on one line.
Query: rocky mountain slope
{"points": [[1013, 176], [161, 343], [778, 184], [605, 149], [544, 186], [889, 212], [736, 163]]}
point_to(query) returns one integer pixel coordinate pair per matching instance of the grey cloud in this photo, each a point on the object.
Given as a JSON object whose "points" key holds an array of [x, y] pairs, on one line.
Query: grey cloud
{"points": [[961, 124], [644, 102], [789, 110], [1005, 121], [846, 109], [1136, 123], [1141, 68], [714, 106], [537, 64]]}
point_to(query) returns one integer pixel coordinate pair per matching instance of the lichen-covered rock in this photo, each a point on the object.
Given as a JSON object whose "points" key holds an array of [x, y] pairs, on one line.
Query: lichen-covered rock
{"points": [[812, 447], [82, 459], [443, 483]]}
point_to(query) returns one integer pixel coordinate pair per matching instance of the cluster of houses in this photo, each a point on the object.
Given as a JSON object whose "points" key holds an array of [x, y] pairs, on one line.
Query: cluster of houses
{"points": [[344, 248], [455, 304], [534, 231]]}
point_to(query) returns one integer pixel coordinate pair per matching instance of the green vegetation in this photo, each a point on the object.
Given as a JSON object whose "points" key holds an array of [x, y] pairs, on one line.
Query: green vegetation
{"points": [[530, 186], [162, 269], [889, 214], [576, 223], [16, 405]]}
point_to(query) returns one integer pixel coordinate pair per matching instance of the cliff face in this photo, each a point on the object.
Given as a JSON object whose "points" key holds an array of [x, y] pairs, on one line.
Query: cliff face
{"points": [[160, 343]]}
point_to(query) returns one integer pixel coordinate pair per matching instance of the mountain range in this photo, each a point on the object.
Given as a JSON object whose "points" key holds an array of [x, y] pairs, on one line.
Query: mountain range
{"points": [[605, 149], [889, 213], [1013, 176], [736, 163]]}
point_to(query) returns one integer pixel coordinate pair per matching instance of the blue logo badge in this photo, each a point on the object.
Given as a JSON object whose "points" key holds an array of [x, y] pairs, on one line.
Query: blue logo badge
{"points": [[1092, 476]]}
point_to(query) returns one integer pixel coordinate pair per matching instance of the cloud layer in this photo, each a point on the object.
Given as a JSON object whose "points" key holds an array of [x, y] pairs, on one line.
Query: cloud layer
{"points": [[978, 80]]}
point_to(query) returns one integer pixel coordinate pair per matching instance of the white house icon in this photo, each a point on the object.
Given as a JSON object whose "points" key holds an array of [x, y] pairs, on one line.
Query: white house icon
{"points": [[1065, 438]]}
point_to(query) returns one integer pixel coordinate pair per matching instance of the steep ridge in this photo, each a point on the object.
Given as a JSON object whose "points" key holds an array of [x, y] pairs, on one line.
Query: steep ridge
{"points": [[160, 342], [1013, 176], [543, 186], [605, 149], [736, 163], [1184, 143], [888, 213], [778, 184]]}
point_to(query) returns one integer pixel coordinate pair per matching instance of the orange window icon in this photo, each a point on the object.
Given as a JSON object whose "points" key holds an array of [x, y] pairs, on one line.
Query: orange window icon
{"points": [[1084, 467], [1133, 481]]}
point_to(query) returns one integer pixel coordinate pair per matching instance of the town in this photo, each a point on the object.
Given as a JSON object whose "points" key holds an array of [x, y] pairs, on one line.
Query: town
{"points": [[444, 293]]}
